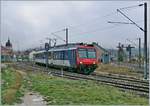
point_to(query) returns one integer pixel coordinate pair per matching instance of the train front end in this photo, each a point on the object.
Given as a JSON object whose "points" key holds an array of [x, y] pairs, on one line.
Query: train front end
{"points": [[86, 59]]}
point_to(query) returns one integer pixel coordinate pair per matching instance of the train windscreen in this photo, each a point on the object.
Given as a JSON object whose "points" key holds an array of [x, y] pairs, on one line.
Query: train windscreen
{"points": [[82, 53], [91, 53], [87, 53]]}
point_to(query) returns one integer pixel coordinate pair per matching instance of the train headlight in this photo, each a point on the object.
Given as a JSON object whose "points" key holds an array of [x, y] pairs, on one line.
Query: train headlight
{"points": [[81, 62], [94, 62]]}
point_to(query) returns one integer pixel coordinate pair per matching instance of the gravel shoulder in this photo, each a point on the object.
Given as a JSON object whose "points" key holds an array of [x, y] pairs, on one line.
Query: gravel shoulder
{"points": [[32, 99]]}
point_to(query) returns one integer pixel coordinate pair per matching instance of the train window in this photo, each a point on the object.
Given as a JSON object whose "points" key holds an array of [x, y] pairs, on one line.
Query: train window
{"points": [[43, 55], [91, 53], [62, 55], [82, 53], [54, 55], [87, 53], [38, 56], [49, 55], [66, 55], [58, 55]]}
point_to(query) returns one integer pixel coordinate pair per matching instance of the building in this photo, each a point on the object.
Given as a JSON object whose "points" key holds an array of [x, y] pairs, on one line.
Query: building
{"points": [[7, 52], [103, 54]]}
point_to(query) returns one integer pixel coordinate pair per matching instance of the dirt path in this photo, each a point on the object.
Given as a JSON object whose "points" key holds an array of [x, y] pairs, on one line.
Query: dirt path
{"points": [[32, 99]]}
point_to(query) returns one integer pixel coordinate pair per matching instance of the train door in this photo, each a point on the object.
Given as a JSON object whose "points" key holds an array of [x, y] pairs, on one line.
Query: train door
{"points": [[72, 57]]}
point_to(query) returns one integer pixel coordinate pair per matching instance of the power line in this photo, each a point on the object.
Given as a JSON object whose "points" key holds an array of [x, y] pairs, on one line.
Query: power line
{"points": [[92, 21], [59, 31], [101, 29], [53, 33], [112, 22], [129, 7], [96, 30], [119, 22], [145, 35], [130, 19], [58, 37], [97, 19]]}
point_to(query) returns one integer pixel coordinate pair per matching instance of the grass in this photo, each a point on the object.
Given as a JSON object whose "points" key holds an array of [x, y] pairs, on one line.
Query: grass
{"points": [[116, 70], [64, 91], [60, 91], [11, 87]]}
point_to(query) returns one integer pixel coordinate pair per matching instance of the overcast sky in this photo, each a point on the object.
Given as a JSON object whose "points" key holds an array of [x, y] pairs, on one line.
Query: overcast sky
{"points": [[28, 23]]}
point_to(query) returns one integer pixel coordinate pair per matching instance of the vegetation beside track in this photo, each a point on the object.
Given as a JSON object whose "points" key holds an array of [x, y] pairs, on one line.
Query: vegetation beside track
{"points": [[11, 88], [64, 91], [109, 68]]}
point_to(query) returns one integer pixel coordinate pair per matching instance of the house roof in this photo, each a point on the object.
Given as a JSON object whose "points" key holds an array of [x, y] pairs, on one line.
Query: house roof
{"points": [[3, 48], [100, 47], [6, 51]]}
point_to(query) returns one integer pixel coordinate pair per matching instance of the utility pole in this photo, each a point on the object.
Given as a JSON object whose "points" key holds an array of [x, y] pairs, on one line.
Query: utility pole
{"points": [[46, 49], [139, 52], [120, 52], [129, 47], [66, 41], [66, 36], [54, 42], [50, 40], [145, 40], [145, 36]]}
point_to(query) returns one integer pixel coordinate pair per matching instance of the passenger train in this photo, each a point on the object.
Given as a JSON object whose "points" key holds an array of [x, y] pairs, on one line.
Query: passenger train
{"points": [[79, 57]]}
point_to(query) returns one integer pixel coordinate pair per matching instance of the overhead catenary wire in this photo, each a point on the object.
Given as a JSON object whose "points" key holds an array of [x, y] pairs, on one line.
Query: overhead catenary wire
{"points": [[59, 31], [112, 22], [112, 13], [58, 37], [95, 20], [130, 19], [91, 21], [115, 23], [97, 30], [102, 29], [119, 22], [129, 7], [77, 27]]}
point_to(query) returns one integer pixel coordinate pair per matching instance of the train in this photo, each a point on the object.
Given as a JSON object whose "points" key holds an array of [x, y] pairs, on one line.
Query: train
{"points": [[77, 57]]}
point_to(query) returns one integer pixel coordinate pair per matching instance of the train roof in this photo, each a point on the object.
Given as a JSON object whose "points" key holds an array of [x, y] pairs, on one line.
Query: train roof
{"points": [[69, 46]]}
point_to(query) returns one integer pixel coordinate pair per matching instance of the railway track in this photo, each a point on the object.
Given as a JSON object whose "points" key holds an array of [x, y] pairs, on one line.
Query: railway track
{"points": [[124, 78], [141, 87], [134, 67]]}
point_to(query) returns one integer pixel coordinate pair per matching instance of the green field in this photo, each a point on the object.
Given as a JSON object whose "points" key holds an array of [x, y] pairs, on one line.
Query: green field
{"points": [[60, 91], [109, 68], [11, 88], [64, 91]]}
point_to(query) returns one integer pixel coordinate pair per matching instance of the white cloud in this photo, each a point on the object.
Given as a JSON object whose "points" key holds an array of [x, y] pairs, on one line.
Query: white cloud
{"points": [[30, 21]]}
